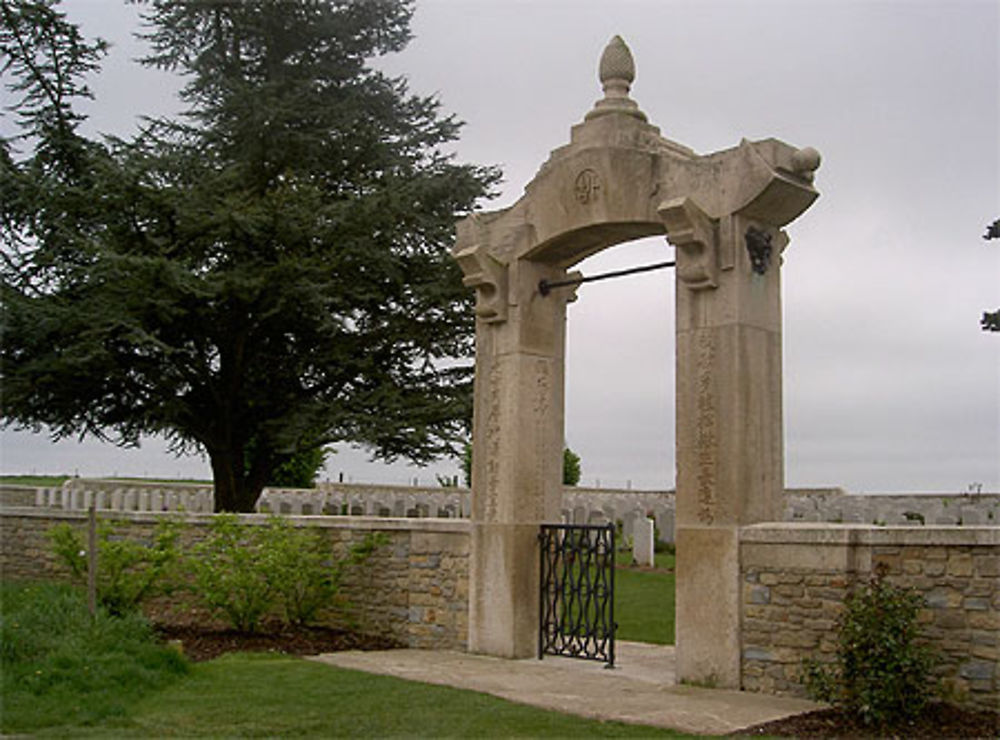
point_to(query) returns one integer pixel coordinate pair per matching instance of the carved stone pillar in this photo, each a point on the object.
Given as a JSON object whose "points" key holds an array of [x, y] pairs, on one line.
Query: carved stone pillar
{"points": [[517, 445], [729, 423]]}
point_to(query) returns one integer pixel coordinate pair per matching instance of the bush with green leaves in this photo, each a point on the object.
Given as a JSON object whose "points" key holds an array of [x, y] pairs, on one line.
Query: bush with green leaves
{"points": [[128, 571], [246, 572], [228, 575], [301, 570], [882, 671]]}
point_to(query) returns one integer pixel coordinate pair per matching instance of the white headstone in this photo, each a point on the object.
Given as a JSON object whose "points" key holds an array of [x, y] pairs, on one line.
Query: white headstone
{"points": [[642, 542]]}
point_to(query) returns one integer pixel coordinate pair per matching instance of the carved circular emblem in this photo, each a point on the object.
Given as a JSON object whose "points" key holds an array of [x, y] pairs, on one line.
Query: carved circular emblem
{"points": [[587, 186]]}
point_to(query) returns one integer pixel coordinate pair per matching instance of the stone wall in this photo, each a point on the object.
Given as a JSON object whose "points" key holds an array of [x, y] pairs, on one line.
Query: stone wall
{"points": [[414, 588], [795, 578]]}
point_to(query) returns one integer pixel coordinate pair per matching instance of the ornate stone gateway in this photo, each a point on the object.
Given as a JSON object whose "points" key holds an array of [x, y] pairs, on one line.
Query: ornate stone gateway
{"points": [[617, 180]]}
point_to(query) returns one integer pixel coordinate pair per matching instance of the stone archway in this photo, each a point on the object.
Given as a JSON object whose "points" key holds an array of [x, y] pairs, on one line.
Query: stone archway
{"points": [[618, 179]]}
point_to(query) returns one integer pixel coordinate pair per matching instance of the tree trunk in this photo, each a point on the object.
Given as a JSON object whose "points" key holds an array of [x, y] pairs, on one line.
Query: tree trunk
{"points": [[235, 491]]}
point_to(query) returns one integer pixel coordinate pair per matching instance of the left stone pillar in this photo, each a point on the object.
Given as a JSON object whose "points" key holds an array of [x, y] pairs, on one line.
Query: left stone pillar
{"points": [[517, 443]]}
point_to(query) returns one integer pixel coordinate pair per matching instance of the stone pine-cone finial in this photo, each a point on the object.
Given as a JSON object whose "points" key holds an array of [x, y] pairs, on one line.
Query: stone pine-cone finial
{"points": [[616, 64], [616, 72]]}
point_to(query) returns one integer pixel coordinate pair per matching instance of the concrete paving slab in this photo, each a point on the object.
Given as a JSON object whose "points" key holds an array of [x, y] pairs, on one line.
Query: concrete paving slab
{"points": [[640, 690]]}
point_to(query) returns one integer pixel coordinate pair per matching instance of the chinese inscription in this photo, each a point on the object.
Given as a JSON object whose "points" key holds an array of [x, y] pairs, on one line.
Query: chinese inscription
{"points": [[493, 443], [705, 439]]}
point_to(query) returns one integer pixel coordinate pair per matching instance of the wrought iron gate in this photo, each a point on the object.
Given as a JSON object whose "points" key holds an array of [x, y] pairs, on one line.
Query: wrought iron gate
{"points": [[577, 604]]}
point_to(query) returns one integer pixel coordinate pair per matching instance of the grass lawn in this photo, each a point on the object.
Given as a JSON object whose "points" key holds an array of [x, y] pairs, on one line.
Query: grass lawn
{"points": [[64, 675], [59, 666], [54, 481], [168, 481], [644, 602], [36, 481], [242, 695]]}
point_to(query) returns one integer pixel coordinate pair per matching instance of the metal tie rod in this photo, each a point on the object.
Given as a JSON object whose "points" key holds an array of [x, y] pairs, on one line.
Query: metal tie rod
{"points": [[544, 286]]}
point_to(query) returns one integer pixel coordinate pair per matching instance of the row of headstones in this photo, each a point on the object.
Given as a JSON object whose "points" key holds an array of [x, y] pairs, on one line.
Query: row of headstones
{"points": [[926, 510], [639, 531], [125, 499], [581, 507], [282, 501], [636, 526], [298, 502], [661, 518], [378, 504]]}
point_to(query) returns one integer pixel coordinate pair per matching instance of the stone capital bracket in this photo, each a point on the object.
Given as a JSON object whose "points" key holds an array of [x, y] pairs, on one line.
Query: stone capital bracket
{"points": [[696, 237], [489, 277]]}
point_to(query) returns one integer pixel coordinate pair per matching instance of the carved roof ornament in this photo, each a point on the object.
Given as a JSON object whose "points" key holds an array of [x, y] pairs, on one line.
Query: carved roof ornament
{"points": [[616, 72]]}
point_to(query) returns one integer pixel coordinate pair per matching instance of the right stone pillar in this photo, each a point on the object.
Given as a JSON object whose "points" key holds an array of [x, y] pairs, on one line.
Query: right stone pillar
{"points": [[729, 455]]}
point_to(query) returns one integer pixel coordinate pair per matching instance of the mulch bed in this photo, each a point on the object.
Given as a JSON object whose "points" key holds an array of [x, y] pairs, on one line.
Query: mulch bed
{"points": [[202, 636], [200, 644], [939, 721]]}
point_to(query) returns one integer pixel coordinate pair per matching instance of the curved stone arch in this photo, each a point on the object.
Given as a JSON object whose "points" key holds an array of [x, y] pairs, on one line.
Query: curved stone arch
{"points": [[618, 180]]}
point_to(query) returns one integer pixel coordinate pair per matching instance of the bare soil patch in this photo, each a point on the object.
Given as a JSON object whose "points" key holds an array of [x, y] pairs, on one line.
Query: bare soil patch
{"points": [[939, 721], [200, 643], [201, 636]]}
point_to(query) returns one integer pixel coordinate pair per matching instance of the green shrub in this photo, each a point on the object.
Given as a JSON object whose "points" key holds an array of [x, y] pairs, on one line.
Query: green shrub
{"points": [[881, 674], [659, 546], [301, 571], [914, 516], [229, 575], [247, 572], [128, 571]]}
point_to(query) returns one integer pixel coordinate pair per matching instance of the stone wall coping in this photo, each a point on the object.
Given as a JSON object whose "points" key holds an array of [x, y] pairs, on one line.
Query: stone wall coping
{"points": [[367, 523], [336, 486], [86, 484], [588, 491], [865, 534]]}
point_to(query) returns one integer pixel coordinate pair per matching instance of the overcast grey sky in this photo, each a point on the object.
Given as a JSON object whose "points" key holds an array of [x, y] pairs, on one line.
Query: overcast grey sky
{"points": [[889, 384]]}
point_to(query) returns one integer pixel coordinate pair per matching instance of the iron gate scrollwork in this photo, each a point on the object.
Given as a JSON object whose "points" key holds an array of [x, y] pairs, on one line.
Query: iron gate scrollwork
{"points": [[577, 605]]}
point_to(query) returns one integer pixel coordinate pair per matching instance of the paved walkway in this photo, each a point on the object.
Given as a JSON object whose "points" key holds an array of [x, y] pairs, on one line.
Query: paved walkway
{"points": [[641, 689]]}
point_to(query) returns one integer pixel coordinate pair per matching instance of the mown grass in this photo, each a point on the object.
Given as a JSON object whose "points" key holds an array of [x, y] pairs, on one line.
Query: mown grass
{"points": [[60, 666], [644, 602], [36, 481], [167, 481], [54, 481], [244, 695], [68, 676]]}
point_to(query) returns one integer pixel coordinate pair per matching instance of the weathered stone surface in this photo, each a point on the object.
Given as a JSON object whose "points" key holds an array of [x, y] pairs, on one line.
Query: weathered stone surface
{"points": [[618, 179], [707, 591], [413, 588], [961, 618]]}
